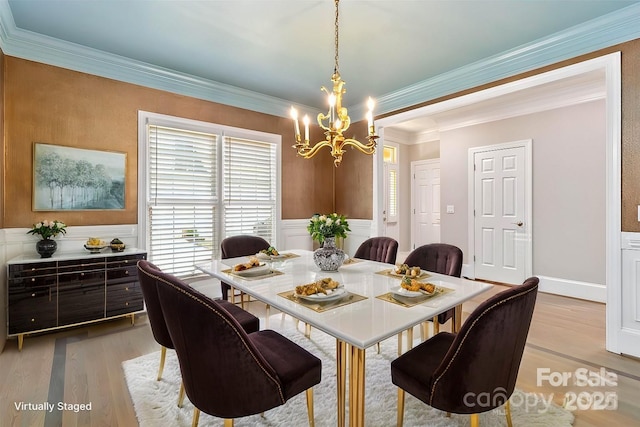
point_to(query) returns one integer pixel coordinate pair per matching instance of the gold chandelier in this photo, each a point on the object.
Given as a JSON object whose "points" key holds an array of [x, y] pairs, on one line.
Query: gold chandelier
{"points": [[336, 121]]}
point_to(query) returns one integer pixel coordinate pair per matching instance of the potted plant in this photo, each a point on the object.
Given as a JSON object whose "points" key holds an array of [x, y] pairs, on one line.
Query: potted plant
{"points": [[47, 230], [324, 229]]}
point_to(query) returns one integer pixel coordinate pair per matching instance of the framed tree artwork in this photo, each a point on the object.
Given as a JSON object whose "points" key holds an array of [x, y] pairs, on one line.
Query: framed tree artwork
{"points": [[67, 178]]}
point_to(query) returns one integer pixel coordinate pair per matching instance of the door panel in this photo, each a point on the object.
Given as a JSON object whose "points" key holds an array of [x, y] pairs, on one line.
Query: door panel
{"points": [[500, 214], [425, 190]]}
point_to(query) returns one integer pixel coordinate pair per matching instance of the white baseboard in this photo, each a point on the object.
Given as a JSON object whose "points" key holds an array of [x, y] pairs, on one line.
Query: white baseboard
{"points": [[569, 288], [572, 288]]}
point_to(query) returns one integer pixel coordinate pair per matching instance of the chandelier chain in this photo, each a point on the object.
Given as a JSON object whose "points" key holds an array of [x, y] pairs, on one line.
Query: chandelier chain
{"points": [[336, 67]]}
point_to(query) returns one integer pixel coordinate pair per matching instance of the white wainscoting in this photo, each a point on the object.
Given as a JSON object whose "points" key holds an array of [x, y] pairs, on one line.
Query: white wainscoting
{"points": [[294, 234], [18, 242]]}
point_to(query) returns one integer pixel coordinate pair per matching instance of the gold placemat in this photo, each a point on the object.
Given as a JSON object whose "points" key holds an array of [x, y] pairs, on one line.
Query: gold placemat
{"points": [[388, 273], [271, 273], [351, 261], [286, 255], [410, 302], [319, 306]]}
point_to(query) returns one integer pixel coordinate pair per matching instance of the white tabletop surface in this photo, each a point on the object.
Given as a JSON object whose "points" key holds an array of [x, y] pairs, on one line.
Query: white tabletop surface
{"points": [[360, 324]]}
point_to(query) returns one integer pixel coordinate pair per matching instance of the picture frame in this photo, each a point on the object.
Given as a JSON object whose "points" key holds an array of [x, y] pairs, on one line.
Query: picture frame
{"points": [[75, 179]]}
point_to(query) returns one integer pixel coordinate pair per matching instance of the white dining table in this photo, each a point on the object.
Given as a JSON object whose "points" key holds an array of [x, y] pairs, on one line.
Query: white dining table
{"points": [[357, 325]]}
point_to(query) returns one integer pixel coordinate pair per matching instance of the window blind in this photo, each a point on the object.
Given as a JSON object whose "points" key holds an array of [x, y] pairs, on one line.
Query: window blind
{"points": [[204, 186], [182, 198], [249, 187]]}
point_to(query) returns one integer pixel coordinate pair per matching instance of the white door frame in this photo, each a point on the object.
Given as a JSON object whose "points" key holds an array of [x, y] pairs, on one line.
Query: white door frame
{"points": [[528, 197], [610, 64]]}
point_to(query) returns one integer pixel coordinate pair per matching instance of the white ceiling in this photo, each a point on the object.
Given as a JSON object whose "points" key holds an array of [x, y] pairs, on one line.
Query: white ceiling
{"points": [[284, 48]]}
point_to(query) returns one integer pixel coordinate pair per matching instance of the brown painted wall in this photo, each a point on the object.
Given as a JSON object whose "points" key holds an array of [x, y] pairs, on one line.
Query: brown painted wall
{"points": [[57, 106]]}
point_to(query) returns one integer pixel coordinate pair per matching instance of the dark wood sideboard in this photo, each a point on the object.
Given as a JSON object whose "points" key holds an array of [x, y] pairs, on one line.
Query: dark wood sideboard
{"points": [[70, 290]]}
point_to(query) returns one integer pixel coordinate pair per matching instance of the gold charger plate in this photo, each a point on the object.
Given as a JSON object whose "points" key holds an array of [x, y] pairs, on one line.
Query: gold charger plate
{"points": [[390, 272], [411, 301], [268, 273], [321, 306]]}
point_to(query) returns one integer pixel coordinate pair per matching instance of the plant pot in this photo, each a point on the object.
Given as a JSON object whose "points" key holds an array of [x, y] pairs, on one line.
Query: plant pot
{"points": [[46, 247], [328, 257]]}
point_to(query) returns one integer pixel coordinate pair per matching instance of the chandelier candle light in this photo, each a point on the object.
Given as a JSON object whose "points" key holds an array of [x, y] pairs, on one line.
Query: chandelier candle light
{"points": [[336, 121]]}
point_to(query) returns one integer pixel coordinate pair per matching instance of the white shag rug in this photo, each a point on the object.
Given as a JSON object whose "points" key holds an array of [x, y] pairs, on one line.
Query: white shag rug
{"points": [[155, 402]]}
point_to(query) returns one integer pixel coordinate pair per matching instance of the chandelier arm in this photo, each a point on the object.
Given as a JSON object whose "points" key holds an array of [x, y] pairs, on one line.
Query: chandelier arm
{"points": [[308, 152], [369, 148]]}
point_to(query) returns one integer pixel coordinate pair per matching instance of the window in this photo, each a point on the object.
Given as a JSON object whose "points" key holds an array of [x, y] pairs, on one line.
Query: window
{"points": [[390, 158], [201, 183]]}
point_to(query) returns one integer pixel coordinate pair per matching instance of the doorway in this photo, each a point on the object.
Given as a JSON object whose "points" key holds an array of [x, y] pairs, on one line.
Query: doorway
{"points": [[500, 212]]}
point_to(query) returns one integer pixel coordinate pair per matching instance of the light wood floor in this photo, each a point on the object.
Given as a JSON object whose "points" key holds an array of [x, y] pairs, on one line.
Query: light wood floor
{"points": [[83, 365]]}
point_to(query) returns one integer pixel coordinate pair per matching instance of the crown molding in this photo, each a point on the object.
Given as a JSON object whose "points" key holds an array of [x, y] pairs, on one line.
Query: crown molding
{"points": [[617, 27], [608, 30]]}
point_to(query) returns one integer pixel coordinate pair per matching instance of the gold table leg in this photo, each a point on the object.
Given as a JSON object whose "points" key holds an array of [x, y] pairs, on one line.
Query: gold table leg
{"points": [[341, 376], [457, 319], [356, 387]]}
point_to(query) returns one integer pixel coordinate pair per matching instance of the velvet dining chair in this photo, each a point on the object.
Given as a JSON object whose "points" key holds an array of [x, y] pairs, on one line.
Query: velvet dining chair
{"points": [[381, 249], [226, 372], [148, 276], [440, 258], [237, 246], [475, 370]]}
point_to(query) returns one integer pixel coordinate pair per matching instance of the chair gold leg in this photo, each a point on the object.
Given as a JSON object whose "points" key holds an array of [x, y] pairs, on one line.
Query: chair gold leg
{"points": [[242, 300], [267, 314], [228, 422], [400, 419], [475, 420], [507, 413], [196, 417], [181, 395], [409, 339], [436, 325], [163, 355], [457, 319], [310, 407], [400, 344], [423, 329], [307, 330], [232, 292]]}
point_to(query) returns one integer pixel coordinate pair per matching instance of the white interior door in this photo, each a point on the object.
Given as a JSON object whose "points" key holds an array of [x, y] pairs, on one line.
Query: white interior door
{"points": [[425, 201], [502, 218]]}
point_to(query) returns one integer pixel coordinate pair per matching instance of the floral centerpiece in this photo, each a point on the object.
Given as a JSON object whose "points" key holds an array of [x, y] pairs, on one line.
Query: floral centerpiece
{"points": [[333, 225], [325, 229], [47, 229]]}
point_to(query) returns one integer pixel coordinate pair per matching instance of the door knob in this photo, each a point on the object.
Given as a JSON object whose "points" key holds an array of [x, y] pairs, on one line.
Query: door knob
{"points": [[519, 223]]}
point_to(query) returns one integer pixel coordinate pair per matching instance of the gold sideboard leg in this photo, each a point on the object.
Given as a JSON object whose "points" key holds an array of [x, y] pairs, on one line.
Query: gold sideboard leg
{"points": [[20, 341], [133, 318]]}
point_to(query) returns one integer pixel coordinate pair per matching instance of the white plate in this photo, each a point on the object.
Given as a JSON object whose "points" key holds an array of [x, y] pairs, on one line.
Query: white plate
{"points": [[402, 292], [264, 256], [335, 294], [393, 273], [254, 271]]}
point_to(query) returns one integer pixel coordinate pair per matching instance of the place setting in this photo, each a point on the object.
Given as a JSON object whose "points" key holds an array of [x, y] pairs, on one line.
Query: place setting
{"points": [[404, 270], [253, 269], [322, 295], [412, 292]]}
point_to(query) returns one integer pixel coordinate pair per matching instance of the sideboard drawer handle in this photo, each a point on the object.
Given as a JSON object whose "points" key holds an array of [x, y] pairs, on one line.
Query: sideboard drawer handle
{"points": [[33, 294], [33, 280]]}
